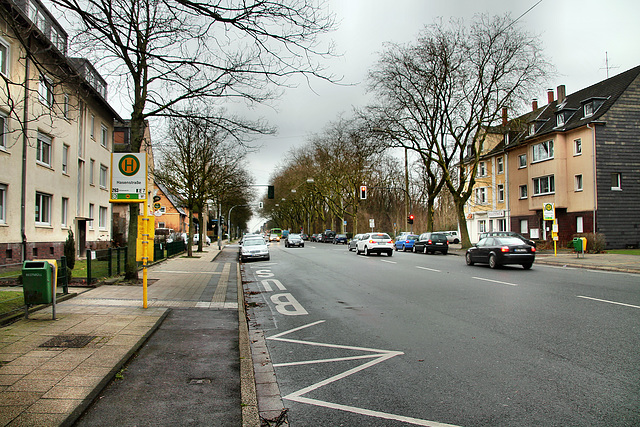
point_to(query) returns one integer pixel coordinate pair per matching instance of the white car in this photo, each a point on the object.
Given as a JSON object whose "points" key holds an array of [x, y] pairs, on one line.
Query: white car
{"points": [[196, 238], [452, 236], [254, 249], [375, 243]]}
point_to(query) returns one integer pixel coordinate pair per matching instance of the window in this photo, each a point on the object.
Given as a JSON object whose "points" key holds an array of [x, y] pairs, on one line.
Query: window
{"points": [[4, 58], [102, 218], [3, 130], [92, 167], [3, 204], [482, 169], [104, 136], [482, 226], [65, 159], [43, 149], [616, 181], [588, 109], [90, 222], [103, 176], [532, 128], [578, 182], [524, 226], [500, 192], [65, 212], [65, 106], [500, 165], [577, 147], [46, 91], [579, 224], [559, 119], [523, 192], [544, 185], [93, 127], [43, 208], [481, 195], [542, 151], [522, 161], [502, 224]]}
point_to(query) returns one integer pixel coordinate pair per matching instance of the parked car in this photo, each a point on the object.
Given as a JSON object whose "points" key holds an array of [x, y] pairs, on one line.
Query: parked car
{"points": [[341, 239], [327, 236], [352, 245], [304, 236], [314, 237], [196, 238], [452, 236], [375, 243], [293, 240], [405, 242], [254, 249], [501, 250], [507, 234], [430, 243]]}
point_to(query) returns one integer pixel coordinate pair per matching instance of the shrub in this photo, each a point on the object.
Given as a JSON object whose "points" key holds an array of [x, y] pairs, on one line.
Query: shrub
{"points": [[70, 250], [596, 242]]}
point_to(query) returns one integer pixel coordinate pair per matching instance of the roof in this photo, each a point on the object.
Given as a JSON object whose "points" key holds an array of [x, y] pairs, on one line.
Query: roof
{"points": [[171, 198]]}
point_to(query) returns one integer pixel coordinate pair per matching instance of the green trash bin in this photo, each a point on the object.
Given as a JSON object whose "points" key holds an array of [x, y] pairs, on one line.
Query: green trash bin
{"points": [[577, 244], [37, 282]]}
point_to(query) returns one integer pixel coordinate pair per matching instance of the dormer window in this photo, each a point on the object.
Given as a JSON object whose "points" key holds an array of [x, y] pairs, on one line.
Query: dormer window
{"points": [[560, 119], [563, 116], [532, 128], [590, 106]]}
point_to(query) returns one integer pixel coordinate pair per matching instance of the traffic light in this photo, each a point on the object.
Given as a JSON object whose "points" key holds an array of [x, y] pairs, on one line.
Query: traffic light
{"points": [[270, 192], [363, 192], [410, 219]]}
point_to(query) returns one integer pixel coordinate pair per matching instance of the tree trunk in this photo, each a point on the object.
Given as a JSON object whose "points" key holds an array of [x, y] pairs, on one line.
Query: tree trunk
{"points": [[462, 222]]}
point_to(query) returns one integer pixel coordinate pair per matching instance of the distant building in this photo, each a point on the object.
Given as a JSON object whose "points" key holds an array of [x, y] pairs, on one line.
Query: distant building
{"points": [[170, 213], [580, 152]]}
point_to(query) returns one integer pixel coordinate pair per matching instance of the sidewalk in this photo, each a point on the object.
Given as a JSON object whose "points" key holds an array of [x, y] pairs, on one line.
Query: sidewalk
{"points": [[50, 371]]}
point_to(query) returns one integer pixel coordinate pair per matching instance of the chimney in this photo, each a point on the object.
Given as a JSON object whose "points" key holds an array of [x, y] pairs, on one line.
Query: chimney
{"points": [[549, 96], [561, 93], [504, 116], [534, 104]]}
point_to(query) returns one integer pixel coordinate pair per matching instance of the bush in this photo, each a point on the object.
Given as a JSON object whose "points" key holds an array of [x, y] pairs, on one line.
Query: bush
{"points": [[596, 242], [70, 250]]}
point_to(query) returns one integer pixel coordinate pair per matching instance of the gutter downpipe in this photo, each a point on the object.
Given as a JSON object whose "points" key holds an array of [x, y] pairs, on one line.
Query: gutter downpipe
{"points": [[595, 188], [25, 144]]}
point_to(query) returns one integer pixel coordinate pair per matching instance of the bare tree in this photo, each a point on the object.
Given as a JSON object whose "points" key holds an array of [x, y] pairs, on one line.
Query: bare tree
{"points": [[456, 81], [172, 52]]}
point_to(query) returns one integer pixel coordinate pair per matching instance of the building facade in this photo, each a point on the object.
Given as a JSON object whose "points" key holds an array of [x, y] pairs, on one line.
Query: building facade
{"points": [[580, 152], [56, 140]]}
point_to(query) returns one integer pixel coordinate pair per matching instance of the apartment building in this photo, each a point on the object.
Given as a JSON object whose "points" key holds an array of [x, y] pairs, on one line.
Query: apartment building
{"points": [[55, 141], [580, 152]]}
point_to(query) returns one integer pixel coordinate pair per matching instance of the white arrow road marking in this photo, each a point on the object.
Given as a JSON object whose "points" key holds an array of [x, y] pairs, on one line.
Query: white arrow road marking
{"points": [[377, 355]]}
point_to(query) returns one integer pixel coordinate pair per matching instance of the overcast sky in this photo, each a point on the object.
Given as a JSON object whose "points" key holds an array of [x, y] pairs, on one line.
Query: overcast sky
{"points": [[575, 34]]}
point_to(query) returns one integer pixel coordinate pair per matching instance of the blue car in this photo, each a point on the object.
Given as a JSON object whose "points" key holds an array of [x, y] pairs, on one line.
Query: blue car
{"points": [[340, 239], [404, 242]]}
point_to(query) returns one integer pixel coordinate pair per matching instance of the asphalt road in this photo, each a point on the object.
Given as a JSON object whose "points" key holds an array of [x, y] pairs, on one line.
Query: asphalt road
{"points": [[418, 339]]}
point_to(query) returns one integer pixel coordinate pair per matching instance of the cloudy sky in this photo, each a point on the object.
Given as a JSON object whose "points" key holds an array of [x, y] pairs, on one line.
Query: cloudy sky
{"points": [[576, 35]]}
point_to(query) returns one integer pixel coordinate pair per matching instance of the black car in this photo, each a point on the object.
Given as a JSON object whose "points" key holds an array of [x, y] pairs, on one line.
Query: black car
{"points": [[501, 250], [327, 236], [293, 240], [430, 243], [340, 238], [507, 234]]}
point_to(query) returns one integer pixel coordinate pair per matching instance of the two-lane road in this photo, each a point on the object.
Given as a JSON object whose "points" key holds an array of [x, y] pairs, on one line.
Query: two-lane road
{"points": [[418, 339]]}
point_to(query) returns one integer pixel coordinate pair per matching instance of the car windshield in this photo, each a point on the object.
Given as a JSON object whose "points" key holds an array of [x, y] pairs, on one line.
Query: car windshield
{"points": [[294, 236], [380, 236], [412, 237], [254, 242]]}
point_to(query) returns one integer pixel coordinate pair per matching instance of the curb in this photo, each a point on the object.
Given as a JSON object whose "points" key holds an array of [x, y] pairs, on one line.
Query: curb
{"points": [[248, 394]]}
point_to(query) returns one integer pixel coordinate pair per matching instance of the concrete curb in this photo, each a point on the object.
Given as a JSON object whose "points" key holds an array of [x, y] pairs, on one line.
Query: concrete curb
{"points": [[249, 399], [88, 400]]}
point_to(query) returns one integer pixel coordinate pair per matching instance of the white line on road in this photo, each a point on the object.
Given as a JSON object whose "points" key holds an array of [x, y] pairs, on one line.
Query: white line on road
{"points": [[426, 268], [390, 262], [495, 281], [608, 302]]}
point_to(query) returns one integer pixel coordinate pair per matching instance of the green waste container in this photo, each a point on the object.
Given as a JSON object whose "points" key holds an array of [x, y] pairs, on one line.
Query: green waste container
{"points": [[37, 282], [579, 244]]}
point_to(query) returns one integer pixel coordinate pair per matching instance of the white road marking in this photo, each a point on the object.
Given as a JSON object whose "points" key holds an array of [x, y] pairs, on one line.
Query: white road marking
{"points": [[429, 269], [608, 302], [377, 355], [495, 281], [390, 262]]}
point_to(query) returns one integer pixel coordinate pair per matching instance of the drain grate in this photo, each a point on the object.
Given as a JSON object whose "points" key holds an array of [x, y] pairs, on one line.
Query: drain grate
{"points": [[69, 341]]}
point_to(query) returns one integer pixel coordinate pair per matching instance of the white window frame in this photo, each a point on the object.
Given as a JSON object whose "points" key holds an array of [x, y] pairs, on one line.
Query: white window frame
{"points": [[43, 208], [578, 181], [65, 106], [482, 169], [539, 185], [500, 164], [44, 152], [103, 213], [524, 226], [90, 221], [523, 194], [104, 174], [92, 173], [92, 131], [579, 224], [616, 181], [104, 136], [65, 159], [588, 105], [482, 226], [560, 119], [542, 151], [577, 147], [481, 196], [3, 204], [500, 193], [501, 224], [45, 88], [64, 213], [522, 161], [5, 51]]}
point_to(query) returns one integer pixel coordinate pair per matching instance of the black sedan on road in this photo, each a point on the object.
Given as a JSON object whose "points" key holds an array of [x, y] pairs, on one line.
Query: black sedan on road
{"points": [[293, 240], [501, 250], [430, 243]]}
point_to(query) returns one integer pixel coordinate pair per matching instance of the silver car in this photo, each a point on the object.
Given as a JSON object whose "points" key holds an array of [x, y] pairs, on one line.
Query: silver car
{"points": [[351, 245], [254, 249]]}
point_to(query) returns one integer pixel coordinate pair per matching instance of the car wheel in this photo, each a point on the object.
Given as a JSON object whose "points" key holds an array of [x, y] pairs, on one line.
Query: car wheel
{"points": [[268, 257], [404, 248], [302, 246], [366, 251], [467, 257], [390, 253], [527, 266], [395, 248], [456, 241], [444, 252], [493, 262], [357, 251], [424, 250]]}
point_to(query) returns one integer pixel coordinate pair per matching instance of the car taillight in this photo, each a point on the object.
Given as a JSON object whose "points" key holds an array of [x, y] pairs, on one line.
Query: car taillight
{"points": [[504, 249], [533, 249], [391, 241], [372, 241], [429, 242]]}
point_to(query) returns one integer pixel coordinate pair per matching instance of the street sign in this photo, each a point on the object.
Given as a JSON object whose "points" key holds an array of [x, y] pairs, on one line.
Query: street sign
{"points": [[548, 212], [128, 177], [372, 223]]}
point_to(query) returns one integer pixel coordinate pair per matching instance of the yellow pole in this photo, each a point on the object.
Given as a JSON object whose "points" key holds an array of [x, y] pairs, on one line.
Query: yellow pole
{"points": [[555, 236], [145, 252]]}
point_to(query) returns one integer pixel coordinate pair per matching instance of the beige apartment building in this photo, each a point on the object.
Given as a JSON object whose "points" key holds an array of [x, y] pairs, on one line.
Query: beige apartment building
{"points": [[56, 140]]}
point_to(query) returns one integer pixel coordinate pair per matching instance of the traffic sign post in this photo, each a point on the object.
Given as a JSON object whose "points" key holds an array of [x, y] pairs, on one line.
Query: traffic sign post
{"points": [[128, 178]]}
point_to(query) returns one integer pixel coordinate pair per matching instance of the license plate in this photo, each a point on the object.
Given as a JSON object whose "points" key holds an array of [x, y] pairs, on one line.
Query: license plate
{"points": [[521, 250]]}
